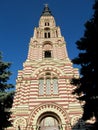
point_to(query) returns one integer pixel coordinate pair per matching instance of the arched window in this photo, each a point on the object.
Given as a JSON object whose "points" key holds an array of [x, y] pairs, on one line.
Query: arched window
{"points": [[47, 33], [47, 54], [41, 86], [47, 50], [48, 85], [46, 23], [55, 86]]}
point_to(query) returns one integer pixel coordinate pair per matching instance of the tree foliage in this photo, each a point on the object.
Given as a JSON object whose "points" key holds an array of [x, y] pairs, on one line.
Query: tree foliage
{"points": [[87, 58], [6, 94]]}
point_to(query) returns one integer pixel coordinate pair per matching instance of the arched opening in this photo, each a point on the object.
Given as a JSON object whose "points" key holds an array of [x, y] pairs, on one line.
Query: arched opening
{"points": [[47, 33], [47, 50], [40, 116], [47, 54], [49, 121]]}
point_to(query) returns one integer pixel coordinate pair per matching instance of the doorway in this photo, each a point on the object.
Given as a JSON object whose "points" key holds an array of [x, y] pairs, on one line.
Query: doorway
{"points": [[49, 121]]}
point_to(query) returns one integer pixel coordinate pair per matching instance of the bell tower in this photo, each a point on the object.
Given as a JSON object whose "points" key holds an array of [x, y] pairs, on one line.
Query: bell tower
{"points": [[43, 99], [47, 41]]}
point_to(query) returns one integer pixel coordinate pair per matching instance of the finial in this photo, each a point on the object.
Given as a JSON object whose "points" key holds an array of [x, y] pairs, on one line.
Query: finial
{"points": [[46, 11], [46, 5]]}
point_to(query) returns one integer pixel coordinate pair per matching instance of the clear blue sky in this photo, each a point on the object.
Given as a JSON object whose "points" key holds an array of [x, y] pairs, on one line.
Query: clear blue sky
{"points": [[19, 17]]}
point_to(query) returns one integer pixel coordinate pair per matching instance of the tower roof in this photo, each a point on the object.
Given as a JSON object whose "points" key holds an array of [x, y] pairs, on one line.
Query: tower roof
{"points": [[46, 11]]}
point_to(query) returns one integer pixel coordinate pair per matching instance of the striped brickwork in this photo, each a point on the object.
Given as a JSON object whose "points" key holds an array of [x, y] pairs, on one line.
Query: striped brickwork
{"points": [[29, 107]]}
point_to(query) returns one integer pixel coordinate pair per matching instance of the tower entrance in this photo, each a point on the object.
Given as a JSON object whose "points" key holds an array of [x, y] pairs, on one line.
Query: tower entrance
{"points": [[48, 116], [49, 121]]}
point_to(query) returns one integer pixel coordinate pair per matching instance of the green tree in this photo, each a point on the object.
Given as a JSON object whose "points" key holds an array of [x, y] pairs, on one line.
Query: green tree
{"points": [[86, 59], [6, 94]]}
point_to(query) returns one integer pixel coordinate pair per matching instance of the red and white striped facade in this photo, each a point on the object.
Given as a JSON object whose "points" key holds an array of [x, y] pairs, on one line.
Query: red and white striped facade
{"points": [[44, 99]]}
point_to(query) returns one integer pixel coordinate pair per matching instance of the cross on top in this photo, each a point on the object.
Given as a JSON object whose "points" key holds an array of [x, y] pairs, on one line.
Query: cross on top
{"points": [[46, 5]]}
